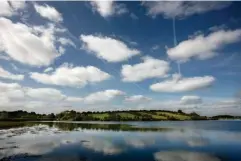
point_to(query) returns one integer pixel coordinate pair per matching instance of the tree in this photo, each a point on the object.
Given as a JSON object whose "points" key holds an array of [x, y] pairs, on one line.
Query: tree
{"points": [[3, 115], [179, 111], [51, 116], [194, 114]]}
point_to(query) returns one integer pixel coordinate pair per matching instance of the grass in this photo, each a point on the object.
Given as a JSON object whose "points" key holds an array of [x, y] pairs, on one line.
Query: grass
{"points": [[178, 116], [163, 115], [100, 116], [10, 124], [126, 115], [153, 115], [142, 115], [64, 126]]}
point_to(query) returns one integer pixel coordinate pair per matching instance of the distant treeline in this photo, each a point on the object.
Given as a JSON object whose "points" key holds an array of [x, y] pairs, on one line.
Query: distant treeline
{"points": [[25, 116], [132, 115]]}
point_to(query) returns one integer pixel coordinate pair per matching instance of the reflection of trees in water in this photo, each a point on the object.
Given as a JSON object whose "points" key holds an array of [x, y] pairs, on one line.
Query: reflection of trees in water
{"points": [[113, 127], [64, 158], [113, 143], [44, 158]]}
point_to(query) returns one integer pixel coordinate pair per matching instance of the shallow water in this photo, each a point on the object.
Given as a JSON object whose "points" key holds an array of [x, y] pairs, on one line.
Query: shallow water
{"points": [[113, 141]]}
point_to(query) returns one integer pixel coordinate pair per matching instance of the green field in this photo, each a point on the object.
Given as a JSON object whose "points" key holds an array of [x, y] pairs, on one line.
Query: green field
{"points": [[127, 116], [178, 116], [99, 115], [140, 115]]}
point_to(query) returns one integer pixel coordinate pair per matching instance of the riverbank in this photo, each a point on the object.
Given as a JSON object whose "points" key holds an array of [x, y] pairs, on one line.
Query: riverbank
{"points": [[141, 115]]}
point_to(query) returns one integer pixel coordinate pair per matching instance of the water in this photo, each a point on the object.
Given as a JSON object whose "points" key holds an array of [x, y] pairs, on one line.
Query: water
{"points": [[126, 141]]}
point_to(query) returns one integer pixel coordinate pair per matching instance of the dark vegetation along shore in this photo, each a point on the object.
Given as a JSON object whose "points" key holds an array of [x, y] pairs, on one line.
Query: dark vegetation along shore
{"points": [[70, 126], [141, 115]]}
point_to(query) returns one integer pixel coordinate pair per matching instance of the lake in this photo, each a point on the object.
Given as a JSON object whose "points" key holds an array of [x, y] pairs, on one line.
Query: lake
{"points": [[125, 141]]}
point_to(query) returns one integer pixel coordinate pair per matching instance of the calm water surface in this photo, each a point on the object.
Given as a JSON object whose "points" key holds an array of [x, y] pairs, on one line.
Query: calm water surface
{"points": [[128, 141]]}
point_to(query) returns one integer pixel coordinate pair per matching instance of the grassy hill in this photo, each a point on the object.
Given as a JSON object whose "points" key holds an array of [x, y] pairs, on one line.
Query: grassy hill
{"points": [[143, 115], [140, 115]]}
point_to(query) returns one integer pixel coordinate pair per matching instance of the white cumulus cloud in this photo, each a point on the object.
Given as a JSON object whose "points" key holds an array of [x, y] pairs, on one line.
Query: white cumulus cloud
{"points": [[183, 84], [7, 75], [182, 9], [204, 47], [10, 8], [45, 94], [97, 97], [108, 8], [74, 99], [11, 91], [48, 12], [103, 96], [149, 68], [15, 97], [66, 75], [137, 98], [5, 9], [29, 45], [107, 48], [191, 100]]}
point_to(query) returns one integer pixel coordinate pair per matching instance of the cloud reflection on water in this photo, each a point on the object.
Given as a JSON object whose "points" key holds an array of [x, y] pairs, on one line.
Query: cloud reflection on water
{"points": [[183, 156], [44, 140]]}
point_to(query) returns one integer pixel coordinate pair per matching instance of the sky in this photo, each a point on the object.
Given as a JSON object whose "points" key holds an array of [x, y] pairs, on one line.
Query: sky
{"points": [[110, 55]]}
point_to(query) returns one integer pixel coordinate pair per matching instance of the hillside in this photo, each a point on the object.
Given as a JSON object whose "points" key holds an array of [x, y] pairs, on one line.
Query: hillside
{"points": [[127, 116], [142, 115]]}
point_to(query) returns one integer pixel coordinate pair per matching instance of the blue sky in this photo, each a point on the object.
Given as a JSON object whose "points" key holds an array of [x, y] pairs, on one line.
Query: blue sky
{"points": [[57, 56]]}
